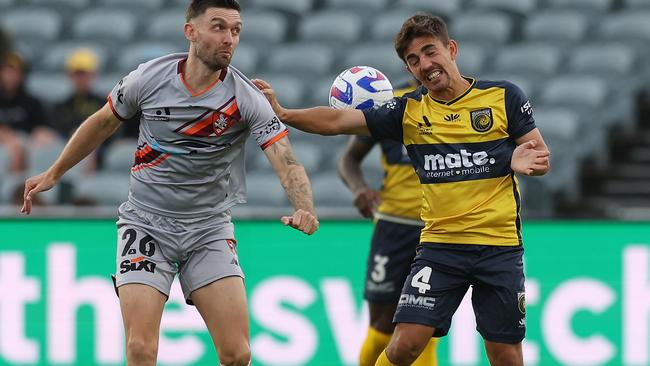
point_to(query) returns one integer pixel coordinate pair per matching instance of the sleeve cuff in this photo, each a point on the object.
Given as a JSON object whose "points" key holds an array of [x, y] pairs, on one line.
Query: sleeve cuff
{"points": [[275, 139]]}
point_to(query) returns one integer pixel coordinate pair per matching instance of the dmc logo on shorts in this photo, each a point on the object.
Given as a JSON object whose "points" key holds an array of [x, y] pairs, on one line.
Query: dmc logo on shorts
{"points": [[137, 264], [425, 302]]}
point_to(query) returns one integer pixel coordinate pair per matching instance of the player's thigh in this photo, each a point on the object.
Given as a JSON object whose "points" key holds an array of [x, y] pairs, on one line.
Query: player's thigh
{"points": [[498, 297], [389, 262], [142, 308], [381, 316], [434, 289], [223, 306]]}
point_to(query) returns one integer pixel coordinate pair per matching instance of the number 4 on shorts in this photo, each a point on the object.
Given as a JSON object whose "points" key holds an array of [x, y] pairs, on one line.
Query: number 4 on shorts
{"points": [[421, 280]]}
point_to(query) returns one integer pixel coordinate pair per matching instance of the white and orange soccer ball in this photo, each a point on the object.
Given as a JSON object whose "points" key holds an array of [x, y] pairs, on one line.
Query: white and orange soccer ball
{"points": [[360, 87]]}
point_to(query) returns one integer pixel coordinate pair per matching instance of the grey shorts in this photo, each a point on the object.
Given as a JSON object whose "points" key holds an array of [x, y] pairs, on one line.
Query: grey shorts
{"points": [[152, 249]]}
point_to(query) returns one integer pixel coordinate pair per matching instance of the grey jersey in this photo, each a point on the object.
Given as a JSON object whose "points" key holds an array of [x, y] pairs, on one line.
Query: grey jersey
{"points": [[190, 156]]}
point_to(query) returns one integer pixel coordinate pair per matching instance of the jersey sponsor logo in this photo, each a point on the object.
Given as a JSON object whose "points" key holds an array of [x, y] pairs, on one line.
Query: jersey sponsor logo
{"points": [[527, 108], [452, 117], [482, 119], [444, 163], [160, 115], [424, 302], [137, 264], [425, 129], [471, 162], [120, 92]]}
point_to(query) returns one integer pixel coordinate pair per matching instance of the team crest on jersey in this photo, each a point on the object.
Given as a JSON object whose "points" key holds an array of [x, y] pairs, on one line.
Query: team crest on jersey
{"points": [[482, 119], [212, 123]]}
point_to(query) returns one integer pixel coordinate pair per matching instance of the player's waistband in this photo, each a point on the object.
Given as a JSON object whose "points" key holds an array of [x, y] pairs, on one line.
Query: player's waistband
{"points": [[397, 219]]}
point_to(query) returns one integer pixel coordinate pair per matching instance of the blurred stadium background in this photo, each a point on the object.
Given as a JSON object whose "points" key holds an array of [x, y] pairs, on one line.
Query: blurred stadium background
{"points": [[583, 63]]}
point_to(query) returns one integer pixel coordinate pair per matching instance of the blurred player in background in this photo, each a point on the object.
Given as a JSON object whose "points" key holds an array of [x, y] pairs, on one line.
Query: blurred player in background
{"points": [[466, 139], [396, 210], [197, 112]]}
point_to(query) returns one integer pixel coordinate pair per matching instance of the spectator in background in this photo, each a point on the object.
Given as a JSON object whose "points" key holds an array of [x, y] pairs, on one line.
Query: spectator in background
{"points": [[81, 68], [21, 114]]}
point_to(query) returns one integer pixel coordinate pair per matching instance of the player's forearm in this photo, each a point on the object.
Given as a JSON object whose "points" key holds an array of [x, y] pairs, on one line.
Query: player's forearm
{"points": [[325, 120], [296, 184], [92, 132], [313, 120], [350, 172]]}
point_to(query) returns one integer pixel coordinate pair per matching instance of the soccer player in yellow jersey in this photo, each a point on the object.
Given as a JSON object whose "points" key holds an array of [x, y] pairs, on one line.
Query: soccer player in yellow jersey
{"points": [[466, 139], [396, 210]]}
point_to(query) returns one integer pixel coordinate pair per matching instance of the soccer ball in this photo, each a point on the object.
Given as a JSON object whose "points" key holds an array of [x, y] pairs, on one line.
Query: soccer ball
{"points": [[360, 87]]}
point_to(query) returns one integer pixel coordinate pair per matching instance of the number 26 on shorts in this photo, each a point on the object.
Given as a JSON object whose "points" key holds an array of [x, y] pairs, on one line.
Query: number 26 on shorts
{"points": [[421, 280]]}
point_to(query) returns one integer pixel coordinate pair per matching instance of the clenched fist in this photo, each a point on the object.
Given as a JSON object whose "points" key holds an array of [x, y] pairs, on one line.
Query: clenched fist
{"points": [[302, 220]]}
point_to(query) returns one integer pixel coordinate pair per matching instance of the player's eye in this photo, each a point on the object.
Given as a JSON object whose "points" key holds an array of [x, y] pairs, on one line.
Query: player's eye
{"points": [[236, 31]]}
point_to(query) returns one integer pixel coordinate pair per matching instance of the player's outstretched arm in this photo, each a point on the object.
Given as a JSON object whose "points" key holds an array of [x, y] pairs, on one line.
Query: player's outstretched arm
{"points": [[531, 157], [319, 120], [92, 132], [296, 183], [365, 198]]}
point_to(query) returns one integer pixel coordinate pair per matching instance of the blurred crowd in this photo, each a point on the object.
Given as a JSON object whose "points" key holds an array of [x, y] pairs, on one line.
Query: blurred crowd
{"points": [[28, 123]]}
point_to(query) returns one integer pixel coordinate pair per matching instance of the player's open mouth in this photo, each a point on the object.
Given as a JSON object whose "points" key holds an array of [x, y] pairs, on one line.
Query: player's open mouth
{"points": [[434, 75]]}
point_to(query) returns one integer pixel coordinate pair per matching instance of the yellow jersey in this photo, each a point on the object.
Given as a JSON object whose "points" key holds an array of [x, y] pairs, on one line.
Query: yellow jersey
{"points": [[461, 151], [401, 194]]}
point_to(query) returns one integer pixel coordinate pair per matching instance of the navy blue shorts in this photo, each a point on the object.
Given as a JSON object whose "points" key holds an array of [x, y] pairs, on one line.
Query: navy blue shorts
{"points": [[441, 275], [389, 262]]}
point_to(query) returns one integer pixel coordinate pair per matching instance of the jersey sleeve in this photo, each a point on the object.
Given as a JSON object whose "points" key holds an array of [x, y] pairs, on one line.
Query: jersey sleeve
{"points": [[519, 112], [265, 126], [124, 98], [385, 121]]}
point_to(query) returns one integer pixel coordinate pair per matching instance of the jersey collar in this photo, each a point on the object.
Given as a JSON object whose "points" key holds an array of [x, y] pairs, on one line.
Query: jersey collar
{"points": [[471, 81], [193, 93]]}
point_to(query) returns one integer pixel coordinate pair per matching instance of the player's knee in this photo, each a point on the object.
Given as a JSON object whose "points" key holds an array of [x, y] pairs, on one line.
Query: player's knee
{"points": [[235, 357], [403, 351], [505, 356], [141, 351]]}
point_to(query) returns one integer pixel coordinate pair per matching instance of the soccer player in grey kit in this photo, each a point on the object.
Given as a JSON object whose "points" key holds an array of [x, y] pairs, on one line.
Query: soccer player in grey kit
{"points": [[196, 113]]}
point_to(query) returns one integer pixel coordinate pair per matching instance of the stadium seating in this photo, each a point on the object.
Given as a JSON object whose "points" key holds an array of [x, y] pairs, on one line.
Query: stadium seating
{"points": [[556, 26], [104, 189], [492, 29], [264, 28], [137, 53], [36, 25], [520, 7], [309, 59], [334, 27], [49, 87], [584, 5], [443, 8], [105, 25], [580, 61]]}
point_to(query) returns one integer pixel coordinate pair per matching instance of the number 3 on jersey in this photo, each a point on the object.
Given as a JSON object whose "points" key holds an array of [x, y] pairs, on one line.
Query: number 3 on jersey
{"points": [[421, 280]]}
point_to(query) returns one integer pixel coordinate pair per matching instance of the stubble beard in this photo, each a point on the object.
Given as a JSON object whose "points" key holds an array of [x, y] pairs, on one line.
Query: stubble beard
{"points": [[214, 63]]}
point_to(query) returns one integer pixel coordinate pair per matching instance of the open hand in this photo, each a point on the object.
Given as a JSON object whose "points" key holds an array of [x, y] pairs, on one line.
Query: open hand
{"points": [[33, 186], [302, 220], [526, 160], [269, 93]]}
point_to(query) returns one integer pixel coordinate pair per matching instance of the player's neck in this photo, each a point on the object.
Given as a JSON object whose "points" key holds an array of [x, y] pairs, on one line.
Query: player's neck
{"points": [[197, 75], [457, 87]]}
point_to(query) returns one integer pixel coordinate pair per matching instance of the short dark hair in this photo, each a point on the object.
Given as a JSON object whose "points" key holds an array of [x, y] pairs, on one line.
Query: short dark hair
{"points": [[198, 7], [421, 24]]}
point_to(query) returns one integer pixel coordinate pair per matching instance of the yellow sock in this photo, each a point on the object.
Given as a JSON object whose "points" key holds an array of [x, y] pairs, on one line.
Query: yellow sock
{"points": [[372, 346], [428, 356], [383, 360]]}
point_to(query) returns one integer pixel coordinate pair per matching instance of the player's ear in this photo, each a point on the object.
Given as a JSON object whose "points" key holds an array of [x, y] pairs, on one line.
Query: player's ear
{"points": [[190, 31], [453, 49]]}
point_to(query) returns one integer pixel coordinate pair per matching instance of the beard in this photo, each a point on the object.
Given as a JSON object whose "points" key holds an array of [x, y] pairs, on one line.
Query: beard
{"points": [[213, 62]]}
